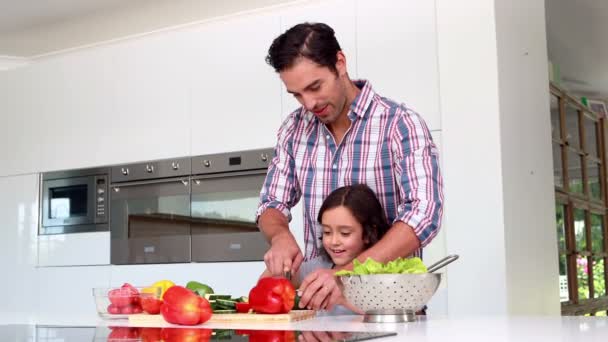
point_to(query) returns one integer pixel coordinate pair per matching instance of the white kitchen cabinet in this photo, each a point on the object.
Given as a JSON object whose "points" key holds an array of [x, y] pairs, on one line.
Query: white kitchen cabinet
{"points": [[74, 249], [65, 294], [71, 103], [151, 115], [18, 233], [110, 104], [340, 15], [397, 53], [235, 95], [19, 145]]}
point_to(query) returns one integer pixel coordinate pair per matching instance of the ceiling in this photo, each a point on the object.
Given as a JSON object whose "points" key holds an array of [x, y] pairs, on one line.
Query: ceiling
{"points": [[577, 41], [32, 28], [27, 14], [576, 29]]}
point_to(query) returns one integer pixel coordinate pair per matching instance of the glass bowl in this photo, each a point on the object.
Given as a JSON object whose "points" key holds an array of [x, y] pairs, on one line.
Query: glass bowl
{"points": [[120, 302]]}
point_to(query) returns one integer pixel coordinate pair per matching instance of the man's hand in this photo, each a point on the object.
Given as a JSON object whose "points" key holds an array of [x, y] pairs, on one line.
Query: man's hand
{"points": [[320, 290], [284, 255]]}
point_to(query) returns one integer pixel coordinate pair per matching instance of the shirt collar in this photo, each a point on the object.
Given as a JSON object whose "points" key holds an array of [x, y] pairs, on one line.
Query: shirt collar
{"points": [[363, 100]]}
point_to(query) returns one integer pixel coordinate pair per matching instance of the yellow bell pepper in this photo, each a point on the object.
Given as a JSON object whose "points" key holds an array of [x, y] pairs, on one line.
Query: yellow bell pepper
{"points": [[164, 285]]}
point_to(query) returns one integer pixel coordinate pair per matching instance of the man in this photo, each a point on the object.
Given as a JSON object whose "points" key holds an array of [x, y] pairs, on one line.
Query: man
{"points": [[343, 134]]}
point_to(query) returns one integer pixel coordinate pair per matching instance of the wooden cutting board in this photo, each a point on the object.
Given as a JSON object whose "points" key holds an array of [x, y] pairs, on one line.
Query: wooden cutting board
{"points": [[292, 316]]}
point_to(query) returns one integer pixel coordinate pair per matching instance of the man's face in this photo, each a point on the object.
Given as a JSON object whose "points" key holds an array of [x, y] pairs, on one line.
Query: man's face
{"points": [[317, 88]]}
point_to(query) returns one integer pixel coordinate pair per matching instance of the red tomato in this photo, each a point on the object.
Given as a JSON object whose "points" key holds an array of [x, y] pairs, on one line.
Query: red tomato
{"points": [[131, 309], [243, 307], [123, 333], [118, 298], [113, 309], [151, 305], [123, 296], [131, 292]]}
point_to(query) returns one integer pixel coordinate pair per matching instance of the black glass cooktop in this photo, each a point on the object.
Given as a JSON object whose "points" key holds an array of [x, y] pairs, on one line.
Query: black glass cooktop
{"points": [[184, 334]]}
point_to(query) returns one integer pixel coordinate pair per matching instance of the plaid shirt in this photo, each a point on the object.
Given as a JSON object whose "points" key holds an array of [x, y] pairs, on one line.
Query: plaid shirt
{"points": [[388, 147]]}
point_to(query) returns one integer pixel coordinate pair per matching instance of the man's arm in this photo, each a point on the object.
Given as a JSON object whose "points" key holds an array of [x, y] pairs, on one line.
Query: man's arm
{"points": [[280, 192], [284, 253]]}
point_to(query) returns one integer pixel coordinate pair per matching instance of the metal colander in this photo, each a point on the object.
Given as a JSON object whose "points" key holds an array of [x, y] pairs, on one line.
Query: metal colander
{"points": [[393, 297]]}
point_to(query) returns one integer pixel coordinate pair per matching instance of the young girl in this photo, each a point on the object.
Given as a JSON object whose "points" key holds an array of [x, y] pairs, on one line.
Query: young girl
{"points": [[351, 220]]}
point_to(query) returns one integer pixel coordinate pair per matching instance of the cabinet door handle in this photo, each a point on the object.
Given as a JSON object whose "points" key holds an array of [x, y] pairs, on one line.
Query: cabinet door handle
{"points": [[175, 165]]}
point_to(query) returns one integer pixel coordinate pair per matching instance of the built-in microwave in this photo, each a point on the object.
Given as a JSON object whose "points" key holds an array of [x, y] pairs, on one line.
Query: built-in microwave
{"points": [[74, 201]]}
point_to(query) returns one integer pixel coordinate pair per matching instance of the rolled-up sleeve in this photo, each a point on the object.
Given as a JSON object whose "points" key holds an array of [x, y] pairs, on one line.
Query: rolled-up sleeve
{"points": [[280, 189], [416, 165]]}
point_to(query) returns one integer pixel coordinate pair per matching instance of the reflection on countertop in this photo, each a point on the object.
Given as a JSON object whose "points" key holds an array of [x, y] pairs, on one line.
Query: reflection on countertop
{"points": [[429, 329]]}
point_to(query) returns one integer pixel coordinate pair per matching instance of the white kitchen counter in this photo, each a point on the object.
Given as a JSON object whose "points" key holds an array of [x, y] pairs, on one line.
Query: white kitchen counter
{"points": [[440, 329]]}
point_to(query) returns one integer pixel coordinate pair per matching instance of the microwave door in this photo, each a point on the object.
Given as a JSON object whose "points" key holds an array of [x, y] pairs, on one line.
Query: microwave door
{"points": [[150, 221], [223, 218], [69, 201]]}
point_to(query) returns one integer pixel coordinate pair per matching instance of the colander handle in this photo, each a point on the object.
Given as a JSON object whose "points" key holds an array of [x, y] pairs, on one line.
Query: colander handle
{"points": [[443, 262]]}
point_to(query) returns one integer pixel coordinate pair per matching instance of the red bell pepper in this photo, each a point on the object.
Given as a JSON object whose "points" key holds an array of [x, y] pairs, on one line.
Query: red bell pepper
{"points": [[151, 335], [269, 335], [186, 335], [272, 296], [182, 306]]}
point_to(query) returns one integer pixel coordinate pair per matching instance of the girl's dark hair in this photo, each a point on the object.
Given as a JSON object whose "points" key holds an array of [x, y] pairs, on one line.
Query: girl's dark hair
{"points": [[315, 41], [363, 205]]}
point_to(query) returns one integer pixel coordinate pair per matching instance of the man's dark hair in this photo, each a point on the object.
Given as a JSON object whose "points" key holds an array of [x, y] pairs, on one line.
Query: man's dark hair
{"points": [[363, 204], [315, 41]]}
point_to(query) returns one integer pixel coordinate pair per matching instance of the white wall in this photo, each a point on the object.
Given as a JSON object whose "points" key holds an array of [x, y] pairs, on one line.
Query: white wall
{"points": [[472, 162], [527, 163], [9, 62], [497, 157]]}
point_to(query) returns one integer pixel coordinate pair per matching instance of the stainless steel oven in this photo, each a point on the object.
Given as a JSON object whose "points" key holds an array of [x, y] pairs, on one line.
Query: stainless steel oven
{"points": [[150, 217], [199, 209], [225, 194], [74, 201]]}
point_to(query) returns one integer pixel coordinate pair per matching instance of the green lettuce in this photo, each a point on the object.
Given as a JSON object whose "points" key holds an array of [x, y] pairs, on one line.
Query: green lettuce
{"points": [[399, 265]]}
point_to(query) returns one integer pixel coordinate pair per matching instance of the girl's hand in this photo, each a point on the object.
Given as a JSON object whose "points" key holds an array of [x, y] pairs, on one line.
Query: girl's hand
{"points": [[320, 290]]}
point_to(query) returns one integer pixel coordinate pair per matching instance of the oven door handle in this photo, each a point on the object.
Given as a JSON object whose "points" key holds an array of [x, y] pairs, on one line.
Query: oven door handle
{"points": [[184, 180]]}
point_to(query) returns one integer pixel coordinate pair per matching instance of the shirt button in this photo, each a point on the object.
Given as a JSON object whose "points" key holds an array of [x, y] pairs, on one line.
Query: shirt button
{"points": [[335, 166], [327, 137]]}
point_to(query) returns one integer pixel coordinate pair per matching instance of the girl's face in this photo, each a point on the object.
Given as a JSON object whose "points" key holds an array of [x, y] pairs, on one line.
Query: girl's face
{"points": [[342, 235]]}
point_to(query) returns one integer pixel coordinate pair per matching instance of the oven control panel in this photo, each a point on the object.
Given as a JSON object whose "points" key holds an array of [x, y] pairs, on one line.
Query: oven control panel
{"points": [[101, 191]]}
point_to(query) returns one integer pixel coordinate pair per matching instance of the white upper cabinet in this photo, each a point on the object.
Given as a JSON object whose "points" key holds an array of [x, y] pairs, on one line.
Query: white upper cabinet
{"points": [[110, 104], [71, 105], [235, 95], [340, 15], [19, 135], [397, 52], [151, 117]]}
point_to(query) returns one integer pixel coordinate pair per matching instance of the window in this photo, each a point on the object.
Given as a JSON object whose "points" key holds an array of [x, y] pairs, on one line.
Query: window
{"points": [[580, 191]]}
